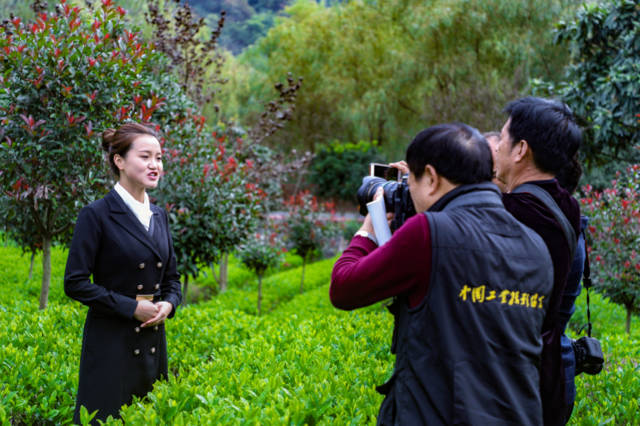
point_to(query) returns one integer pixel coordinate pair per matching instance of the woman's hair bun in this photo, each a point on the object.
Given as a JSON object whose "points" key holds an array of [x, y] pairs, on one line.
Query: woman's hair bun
{"points": [[107, 139]]}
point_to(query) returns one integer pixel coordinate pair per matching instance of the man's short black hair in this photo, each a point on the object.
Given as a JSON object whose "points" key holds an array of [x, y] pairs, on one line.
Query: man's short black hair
{"points": [[457, 151], [549, 128]]}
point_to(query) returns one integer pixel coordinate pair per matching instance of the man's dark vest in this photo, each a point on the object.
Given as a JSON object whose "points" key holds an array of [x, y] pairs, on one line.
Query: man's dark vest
{"points": [[470, 352]]}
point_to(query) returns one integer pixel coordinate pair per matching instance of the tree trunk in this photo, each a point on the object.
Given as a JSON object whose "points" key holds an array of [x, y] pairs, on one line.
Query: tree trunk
{"points": [[304, 262], [46, 272], [213, 272], [259, 294], [33, 256], [224, 275], [628, 323], [185, 287]]}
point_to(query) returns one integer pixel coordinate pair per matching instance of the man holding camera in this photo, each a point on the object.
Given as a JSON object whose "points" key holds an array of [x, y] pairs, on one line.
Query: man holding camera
{"points": [[470, 286], [538, 140]]}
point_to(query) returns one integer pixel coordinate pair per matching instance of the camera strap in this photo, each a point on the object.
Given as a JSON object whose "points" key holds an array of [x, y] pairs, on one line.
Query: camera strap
{"points": [[586, 281], [569, 233], [551, 204]]}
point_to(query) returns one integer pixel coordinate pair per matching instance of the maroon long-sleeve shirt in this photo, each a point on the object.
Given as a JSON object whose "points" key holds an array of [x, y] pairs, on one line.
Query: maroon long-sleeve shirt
{"points": [[366, 274]]}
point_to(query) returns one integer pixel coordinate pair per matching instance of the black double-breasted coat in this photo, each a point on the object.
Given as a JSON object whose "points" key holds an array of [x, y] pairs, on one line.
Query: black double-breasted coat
{"points": [[119, 359]]}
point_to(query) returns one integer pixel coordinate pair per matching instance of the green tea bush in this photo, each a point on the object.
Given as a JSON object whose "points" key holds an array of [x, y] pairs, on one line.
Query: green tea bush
{"points": [[306, 363], [241, 277], [40, 368], [48, 343], [612, 396], [303, 362], [14, 264], [278, 288], [39, 350]]}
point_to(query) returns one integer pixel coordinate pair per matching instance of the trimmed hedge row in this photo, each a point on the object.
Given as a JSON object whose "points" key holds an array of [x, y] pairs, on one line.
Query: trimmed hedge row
{"points": [[39, 350], [302, 363], [227, 364], [240, 276], [613, 396], [276, 288], [40, 360]]}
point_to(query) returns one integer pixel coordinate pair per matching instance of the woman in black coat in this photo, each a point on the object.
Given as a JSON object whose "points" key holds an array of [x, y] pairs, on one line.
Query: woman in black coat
{"points": [[123, 242]]}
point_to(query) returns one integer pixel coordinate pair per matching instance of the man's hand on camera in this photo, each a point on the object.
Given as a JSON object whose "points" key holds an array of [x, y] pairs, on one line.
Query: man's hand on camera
{"points": [[380, 193], [367, 226], [402, 166]]}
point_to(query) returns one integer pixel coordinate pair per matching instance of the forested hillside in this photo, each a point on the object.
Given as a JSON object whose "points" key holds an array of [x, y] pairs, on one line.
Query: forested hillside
{"points": [[247, 20]]}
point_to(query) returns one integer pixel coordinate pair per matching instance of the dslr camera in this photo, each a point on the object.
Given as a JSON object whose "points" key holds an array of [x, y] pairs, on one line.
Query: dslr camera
{"points": [[397, 198], [588, 353]]}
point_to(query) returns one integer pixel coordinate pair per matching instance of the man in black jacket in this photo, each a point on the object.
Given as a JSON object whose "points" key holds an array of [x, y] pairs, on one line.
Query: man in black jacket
{"points": [[538, 140], [471, 286]]}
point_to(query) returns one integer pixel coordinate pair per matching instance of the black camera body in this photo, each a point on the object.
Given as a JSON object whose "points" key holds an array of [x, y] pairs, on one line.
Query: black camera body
{"points": [[397, 198], [588, 353]]}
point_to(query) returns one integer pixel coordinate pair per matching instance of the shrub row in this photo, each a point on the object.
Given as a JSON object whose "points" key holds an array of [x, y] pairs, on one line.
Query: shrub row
{"points": [[277, 288], [240, 276], [613, 396], [302, 363], [221, 356], [306, 363]]}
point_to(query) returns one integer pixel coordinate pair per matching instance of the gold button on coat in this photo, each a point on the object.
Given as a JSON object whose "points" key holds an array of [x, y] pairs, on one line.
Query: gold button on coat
{"points": [[137, 329], [141, 266], [140, 286], [157, 286], [153, 350], [159, 264], [136, 351], [155, 328]]}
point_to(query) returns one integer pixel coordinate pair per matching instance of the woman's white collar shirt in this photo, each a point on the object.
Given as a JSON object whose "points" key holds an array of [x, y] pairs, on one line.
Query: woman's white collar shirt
{"points": [[141, 210]]}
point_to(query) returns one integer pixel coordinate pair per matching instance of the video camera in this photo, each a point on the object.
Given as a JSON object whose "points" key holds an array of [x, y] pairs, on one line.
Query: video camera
{"points": [[397, 198]]}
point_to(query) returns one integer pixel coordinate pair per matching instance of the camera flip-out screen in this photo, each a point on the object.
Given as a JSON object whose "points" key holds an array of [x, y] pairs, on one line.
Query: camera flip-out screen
{"points": [[384, 171]]}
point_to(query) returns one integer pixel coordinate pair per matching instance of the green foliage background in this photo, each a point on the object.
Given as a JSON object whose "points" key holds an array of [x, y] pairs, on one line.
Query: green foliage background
{"points": [[385, 70], [373, 71], [337, 169], [381, 70], [614, 228], [602, 84]]}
